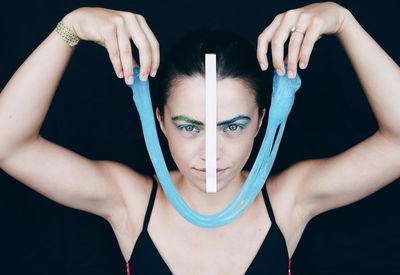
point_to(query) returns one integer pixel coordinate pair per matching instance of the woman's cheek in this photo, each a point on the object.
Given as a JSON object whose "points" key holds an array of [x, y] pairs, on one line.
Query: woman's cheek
{"points": [[181, 150], [242, 150]]}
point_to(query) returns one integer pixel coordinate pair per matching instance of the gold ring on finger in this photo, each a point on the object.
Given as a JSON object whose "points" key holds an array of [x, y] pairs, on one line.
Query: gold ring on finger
{"points": [[294, 29]]}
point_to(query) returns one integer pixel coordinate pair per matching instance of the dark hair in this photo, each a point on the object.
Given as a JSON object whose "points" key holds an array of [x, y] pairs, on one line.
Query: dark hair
{"points": [[235, 57]]}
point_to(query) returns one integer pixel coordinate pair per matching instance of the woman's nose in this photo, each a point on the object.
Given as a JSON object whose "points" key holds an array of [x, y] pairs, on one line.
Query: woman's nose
{"points": [[219, 150]]}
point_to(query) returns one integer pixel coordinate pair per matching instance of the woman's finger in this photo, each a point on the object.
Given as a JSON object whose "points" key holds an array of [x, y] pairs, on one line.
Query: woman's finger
{"points": [[125, 50], [279, 39], [264, 39], [111, 44], [312, 35], [296, 39], [155, 46], [142, 43]]}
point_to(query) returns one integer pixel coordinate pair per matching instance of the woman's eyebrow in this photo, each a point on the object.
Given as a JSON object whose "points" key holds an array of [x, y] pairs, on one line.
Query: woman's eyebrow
{"points": [[232, 120], [199, 123], [187, 120]]}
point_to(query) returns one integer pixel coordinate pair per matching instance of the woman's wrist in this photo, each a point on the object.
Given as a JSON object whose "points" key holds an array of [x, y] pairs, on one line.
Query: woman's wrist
{"points": [[347, 24], [69, 21], [66, 30], [67, 35]]}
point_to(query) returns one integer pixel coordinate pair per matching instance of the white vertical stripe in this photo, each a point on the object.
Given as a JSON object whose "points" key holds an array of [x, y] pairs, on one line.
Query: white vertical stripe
{"points": [[211, 123]]}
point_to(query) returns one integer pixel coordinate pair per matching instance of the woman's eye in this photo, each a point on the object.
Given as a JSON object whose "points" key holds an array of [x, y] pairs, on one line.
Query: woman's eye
{"points": [[233, 128], [188, 128]]}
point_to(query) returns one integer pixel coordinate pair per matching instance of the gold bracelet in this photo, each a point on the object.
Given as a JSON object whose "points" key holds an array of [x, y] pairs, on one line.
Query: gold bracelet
{"points": [[66, 34]]}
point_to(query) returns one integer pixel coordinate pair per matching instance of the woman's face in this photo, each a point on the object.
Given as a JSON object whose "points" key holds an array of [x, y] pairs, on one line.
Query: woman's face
{"points": [[183, 124]]}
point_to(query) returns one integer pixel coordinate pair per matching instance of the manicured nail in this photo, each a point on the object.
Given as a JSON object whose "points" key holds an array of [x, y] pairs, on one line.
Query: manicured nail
{"points": [[280, 72], [153, 73], [263, 66], [120, 75], [144, 77], [130, 80], [302, 65], [290, 74]]}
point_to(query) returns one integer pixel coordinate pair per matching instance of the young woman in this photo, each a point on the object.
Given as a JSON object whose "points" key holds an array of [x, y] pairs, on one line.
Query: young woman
{"points": [[266, 235]]}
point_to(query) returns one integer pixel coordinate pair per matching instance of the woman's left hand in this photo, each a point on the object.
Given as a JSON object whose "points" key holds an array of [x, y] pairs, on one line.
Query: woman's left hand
{"points": [[304, 26]]}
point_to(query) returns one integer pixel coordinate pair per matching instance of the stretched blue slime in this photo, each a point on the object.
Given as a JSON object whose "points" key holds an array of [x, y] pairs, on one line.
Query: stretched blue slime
{"points": [[283, 95]]}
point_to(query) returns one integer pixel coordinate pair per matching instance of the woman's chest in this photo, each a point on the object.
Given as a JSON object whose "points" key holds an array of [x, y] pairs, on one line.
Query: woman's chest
{"points": [[215, 252], [193, 253]]}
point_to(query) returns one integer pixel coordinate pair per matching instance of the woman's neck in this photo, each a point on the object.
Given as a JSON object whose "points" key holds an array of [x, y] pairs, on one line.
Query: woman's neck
{"points": [[209, 203]]}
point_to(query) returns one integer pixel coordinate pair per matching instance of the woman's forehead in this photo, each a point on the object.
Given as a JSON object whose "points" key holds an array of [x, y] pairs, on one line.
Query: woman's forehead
{"points": [[188, 95]]}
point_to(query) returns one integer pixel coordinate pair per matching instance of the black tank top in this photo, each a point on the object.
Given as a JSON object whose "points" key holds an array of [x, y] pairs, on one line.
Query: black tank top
{"points": [[272, 257]]}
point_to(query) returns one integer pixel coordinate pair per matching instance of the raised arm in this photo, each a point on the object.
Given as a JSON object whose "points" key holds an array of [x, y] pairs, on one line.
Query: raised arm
{"points": [[379, 76], [54, 171], [323, 184]]}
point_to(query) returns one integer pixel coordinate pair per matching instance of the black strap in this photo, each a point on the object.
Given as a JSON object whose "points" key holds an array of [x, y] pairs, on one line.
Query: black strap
{"points": [[268, 204], [151, 203]]}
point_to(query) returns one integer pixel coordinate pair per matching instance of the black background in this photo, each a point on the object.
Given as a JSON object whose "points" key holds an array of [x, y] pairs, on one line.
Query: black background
{"points": [[93, 114]]}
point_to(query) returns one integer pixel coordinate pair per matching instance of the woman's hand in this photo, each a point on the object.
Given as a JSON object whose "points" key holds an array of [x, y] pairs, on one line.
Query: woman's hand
{"points": [[304, 26], [114, 30]]}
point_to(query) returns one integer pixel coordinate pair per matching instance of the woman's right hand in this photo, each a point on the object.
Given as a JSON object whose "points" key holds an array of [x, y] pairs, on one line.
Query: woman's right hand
{"points": [[113, 29]]}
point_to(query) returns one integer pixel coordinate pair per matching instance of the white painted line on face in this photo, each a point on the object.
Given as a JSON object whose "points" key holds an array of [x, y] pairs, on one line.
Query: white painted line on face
{"points": [[211, 123]]}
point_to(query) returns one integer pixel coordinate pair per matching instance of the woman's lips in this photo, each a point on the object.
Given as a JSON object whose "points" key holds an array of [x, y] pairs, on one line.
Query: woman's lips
{"points": [[203, 171]]}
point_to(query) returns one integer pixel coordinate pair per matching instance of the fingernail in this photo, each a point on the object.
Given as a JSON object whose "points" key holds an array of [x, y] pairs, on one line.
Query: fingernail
{"points": [[263, 66], [280, 72], [290, 74], [144, 77], [302, 65], [130, 80], [120, 75], [153, 73]]}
